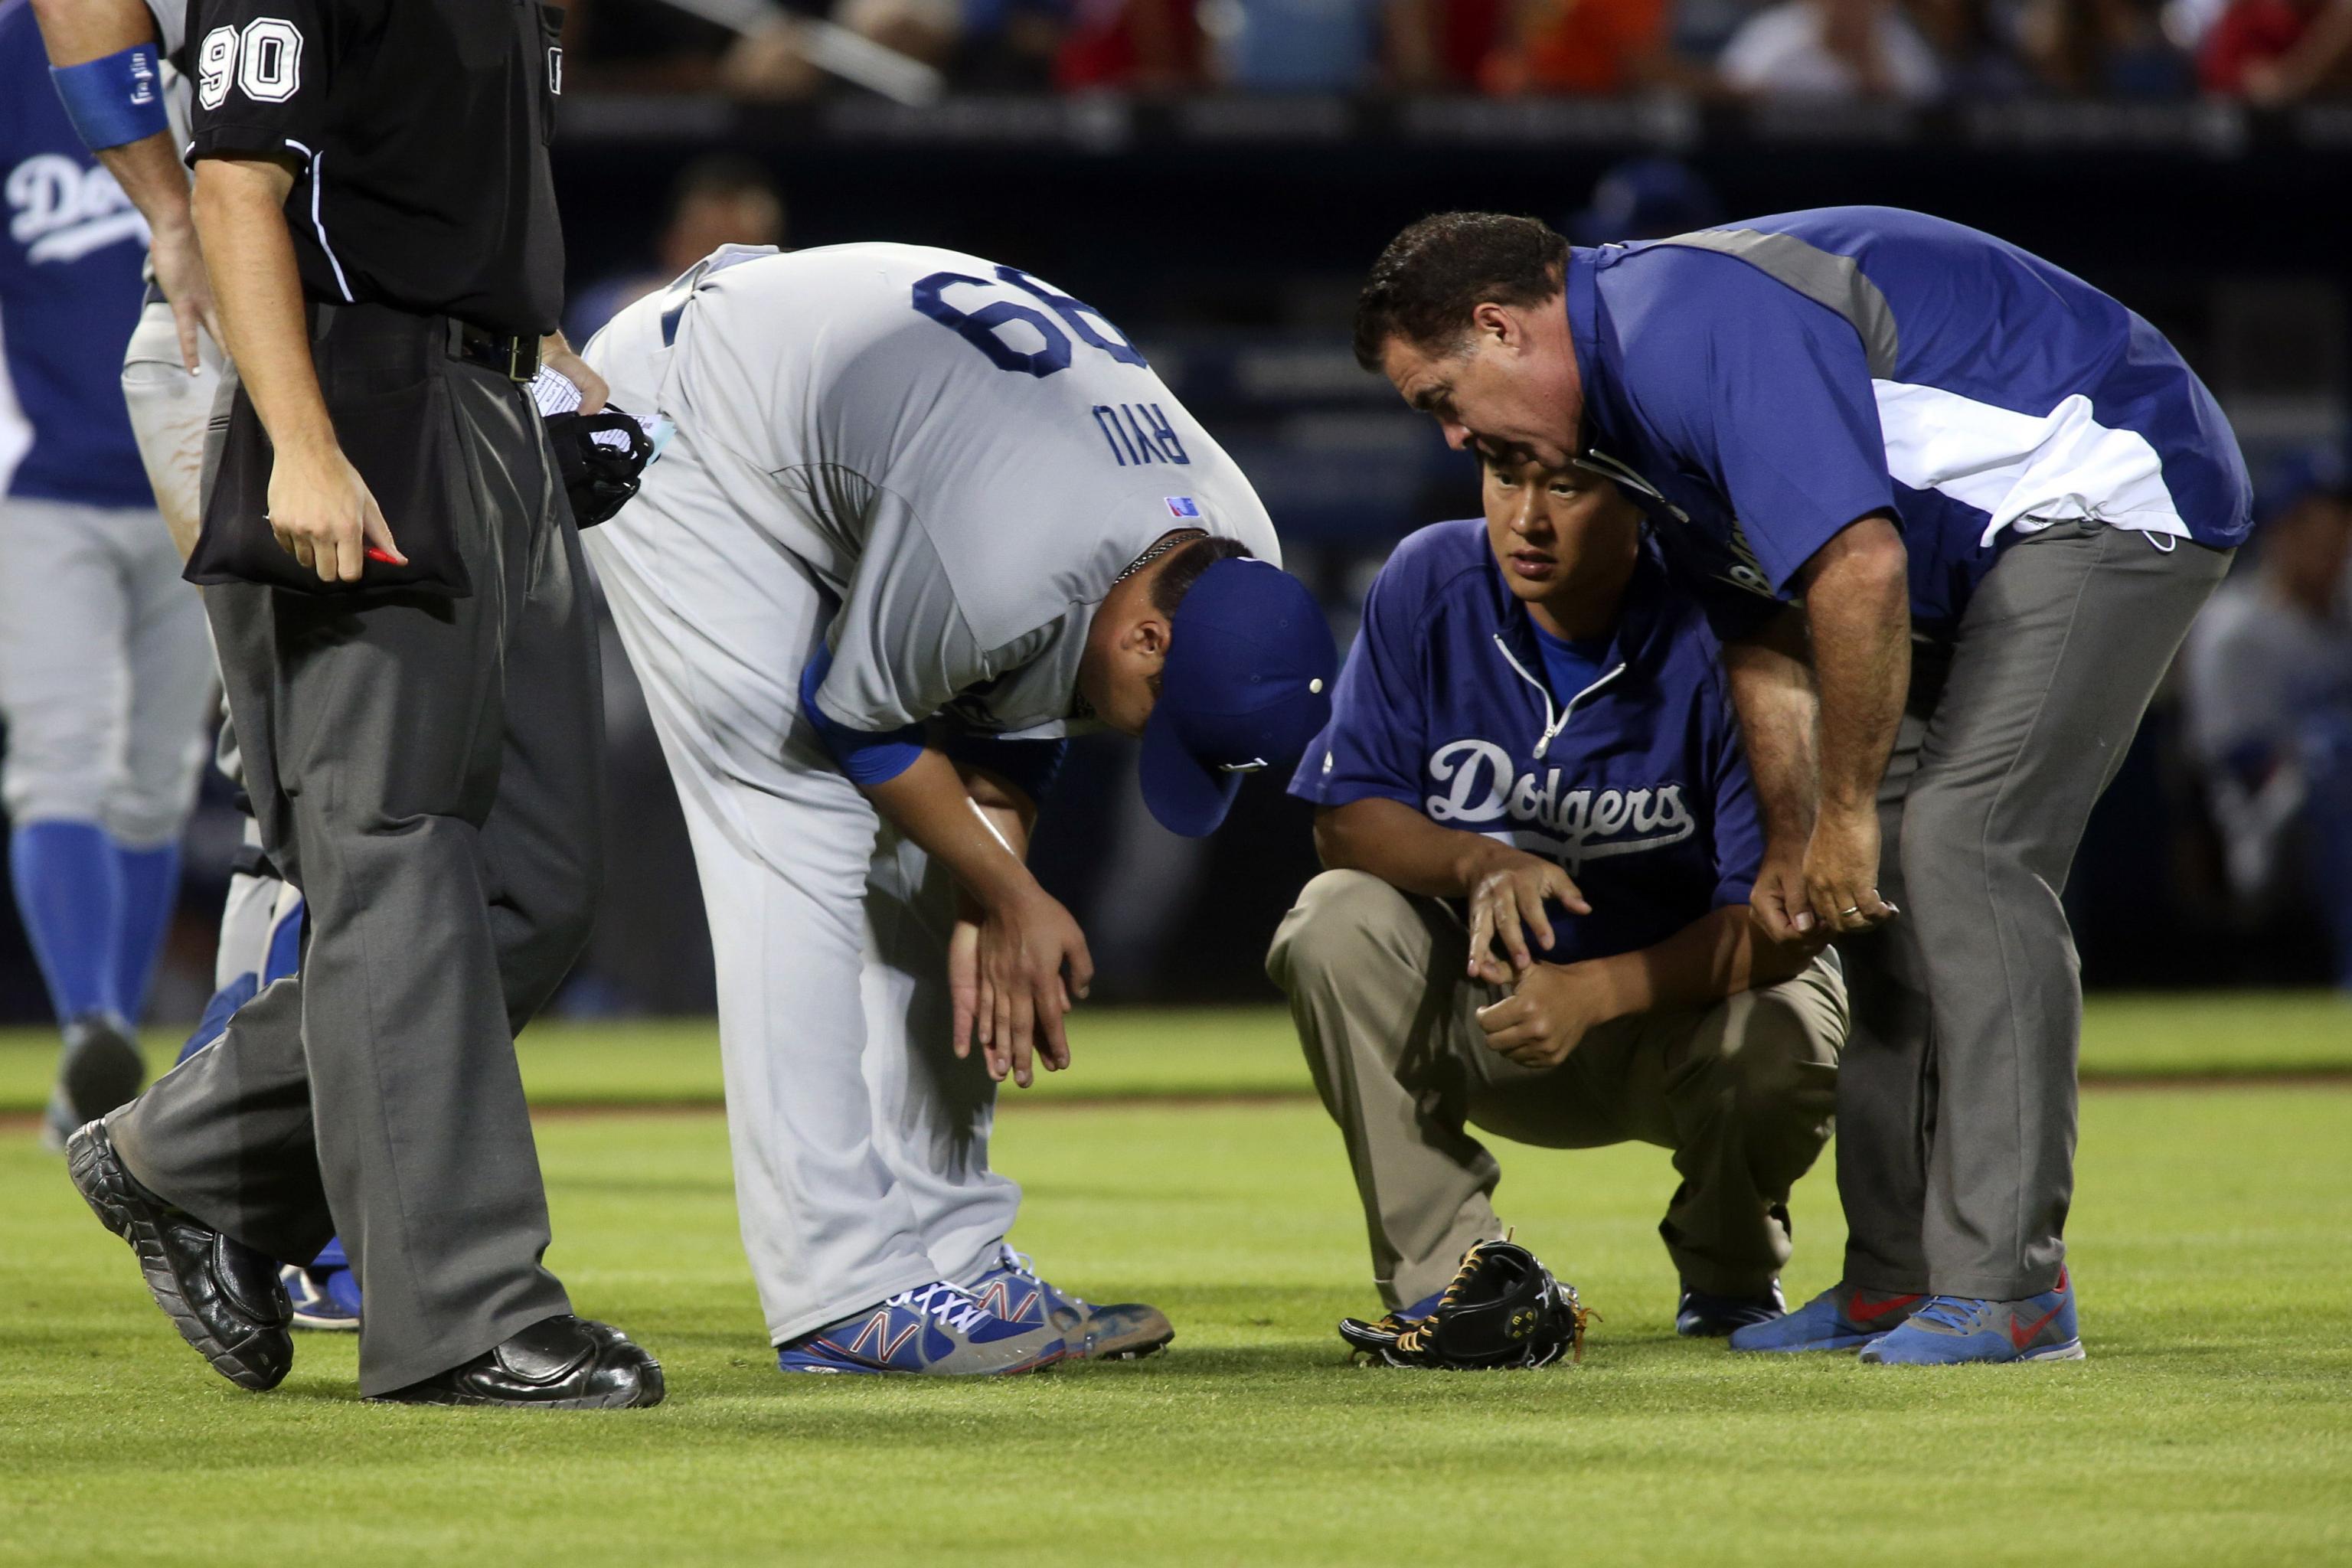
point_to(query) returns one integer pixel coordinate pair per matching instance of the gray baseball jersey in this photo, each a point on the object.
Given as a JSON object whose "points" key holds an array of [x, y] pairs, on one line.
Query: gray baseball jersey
{"points": [[966, 457]]}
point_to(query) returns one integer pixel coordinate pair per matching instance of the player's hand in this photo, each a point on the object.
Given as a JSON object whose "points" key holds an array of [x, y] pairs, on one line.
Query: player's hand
{"points": [[1548, 1016], [180, 272], [1842, 871], [1781, 904], [323, 515], [1507, 903], [1030, 959], [965, 992], [556, 354]]}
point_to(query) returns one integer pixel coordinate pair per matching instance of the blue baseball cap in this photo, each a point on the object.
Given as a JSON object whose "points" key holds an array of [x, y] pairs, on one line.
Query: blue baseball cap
{"points": [[2307, 471], [1246, 686], [1645, 198]]}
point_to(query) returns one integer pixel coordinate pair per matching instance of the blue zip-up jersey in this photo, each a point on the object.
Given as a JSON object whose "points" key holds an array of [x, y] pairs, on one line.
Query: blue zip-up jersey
{"points": [[1761, 385], [1635, 784], [70, 287]]}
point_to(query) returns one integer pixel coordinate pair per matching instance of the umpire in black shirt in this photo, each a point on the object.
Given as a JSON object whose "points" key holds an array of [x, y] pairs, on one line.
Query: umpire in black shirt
{"points": [[398, 597]]}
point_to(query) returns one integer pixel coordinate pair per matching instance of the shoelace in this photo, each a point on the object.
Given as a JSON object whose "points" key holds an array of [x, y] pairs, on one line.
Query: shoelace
{"points": [[1952, 1312], [951, 1304], [1020, 1263]]}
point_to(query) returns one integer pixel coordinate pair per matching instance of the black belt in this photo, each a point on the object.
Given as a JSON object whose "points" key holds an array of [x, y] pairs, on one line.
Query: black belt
{"points": [[515, 357]]}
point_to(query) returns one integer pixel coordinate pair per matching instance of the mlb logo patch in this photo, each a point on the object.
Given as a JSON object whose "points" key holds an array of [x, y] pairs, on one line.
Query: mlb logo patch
{"points": [[1183, 506]]}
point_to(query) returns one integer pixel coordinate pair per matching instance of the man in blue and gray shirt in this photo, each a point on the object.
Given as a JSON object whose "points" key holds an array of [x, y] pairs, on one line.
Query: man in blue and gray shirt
{"points": [[1531, 744], [1922, 436]]}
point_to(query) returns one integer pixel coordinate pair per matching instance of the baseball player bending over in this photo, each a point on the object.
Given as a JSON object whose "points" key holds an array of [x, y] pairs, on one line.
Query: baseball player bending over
{"points": [[922, 516], [1532, 746]]}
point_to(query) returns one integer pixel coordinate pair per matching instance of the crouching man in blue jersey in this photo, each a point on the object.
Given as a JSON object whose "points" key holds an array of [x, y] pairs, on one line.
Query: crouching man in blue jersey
{"points": [[1531, 745], [2000, 498]]}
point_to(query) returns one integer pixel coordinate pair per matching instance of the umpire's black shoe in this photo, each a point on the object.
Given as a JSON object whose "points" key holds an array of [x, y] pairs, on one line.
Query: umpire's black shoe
{"points": [[560, 1364], [223, 1296]]}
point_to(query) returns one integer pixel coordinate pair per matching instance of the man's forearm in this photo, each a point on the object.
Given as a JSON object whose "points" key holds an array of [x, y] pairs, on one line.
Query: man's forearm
{"points": [[148, 170], [1402, 847], [1008, 808], [1717, 955], [152, 175], [931, 805], [1858, 612], [240, 218], [1771, 680]]}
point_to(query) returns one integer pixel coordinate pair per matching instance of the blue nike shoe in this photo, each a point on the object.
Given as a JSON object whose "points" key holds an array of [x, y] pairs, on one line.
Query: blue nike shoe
{"points": [[1839, 1319], [324, 1299], [1704, 1315], [1128, 1331], [1952, 1331], [936, 1330]]}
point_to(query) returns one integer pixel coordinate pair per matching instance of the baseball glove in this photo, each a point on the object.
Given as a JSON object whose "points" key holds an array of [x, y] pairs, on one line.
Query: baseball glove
{"points": [[1503, 1309]]}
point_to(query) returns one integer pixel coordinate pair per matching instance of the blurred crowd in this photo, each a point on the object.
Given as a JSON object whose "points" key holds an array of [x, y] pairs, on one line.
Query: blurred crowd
{"points": [[2266, 52]]}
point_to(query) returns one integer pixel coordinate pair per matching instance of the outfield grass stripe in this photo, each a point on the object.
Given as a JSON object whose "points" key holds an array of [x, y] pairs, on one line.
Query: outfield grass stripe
{"points": [[1250, 1052]]}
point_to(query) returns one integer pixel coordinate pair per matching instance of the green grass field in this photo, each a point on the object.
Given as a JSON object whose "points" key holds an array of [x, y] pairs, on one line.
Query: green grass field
{"points": [[1250, 1052], [2212, 1237]]}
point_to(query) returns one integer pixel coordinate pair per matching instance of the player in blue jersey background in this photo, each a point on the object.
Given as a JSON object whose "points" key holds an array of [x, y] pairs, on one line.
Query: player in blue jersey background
{"points": [[104, 667], [1923, 435]]}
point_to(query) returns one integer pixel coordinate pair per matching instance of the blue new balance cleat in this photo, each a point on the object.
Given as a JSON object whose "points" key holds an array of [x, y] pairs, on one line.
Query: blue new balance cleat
{"points": [[1126, 1332], [1702, 1315], [1839, 1319], [936, 1330], [324, 1299], [1952, 1331]]}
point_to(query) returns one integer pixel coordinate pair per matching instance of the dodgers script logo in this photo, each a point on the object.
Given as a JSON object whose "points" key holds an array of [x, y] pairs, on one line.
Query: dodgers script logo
{"points": [[1483, 786], [61, 211]]}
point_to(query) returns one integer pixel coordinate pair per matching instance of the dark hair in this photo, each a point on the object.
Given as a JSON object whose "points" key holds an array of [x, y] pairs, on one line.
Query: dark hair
{"points": [[1185, 564], [1429, 279]]}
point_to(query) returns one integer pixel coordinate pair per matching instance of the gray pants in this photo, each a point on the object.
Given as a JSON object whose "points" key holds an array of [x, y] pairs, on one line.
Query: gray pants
{"points": [[1741, 1092], [105, 677], [1957, 1096], [426, 772]]}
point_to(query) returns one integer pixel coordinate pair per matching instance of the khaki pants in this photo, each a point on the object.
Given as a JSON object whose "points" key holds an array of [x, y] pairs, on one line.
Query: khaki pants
{"points": [[1742, 1092]]}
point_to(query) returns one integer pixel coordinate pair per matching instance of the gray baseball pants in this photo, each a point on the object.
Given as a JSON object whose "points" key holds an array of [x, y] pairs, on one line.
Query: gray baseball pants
{"points": [[105, 677], [1742, 1091], [1957, 1094], [426, 772]]}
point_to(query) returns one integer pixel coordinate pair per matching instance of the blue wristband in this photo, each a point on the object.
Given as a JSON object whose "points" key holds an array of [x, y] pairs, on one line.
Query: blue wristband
{"points": [[115, 101]]}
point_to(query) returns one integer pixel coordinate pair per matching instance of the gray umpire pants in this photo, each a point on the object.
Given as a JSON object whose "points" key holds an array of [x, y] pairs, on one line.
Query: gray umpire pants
{"points": [[1957, 1094], [426, 771], [1742, 1091]]}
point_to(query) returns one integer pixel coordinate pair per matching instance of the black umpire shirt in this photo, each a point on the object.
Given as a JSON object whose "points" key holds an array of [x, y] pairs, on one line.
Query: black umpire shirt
{"points": [[420, 129]]}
